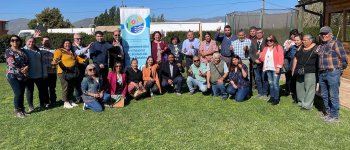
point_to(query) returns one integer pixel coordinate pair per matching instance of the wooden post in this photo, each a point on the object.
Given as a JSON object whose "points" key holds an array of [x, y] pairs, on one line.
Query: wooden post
{"points": [[200, 32], [300, 19], [344, 25]]}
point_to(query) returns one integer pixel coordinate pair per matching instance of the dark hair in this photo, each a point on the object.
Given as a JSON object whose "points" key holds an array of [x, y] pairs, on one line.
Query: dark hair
{"points": [[232, 66], [65, 40], [117, 62], [149, 57], [293, 32], [175, 37], [207, 33], [46, 37], [19, 39], [154, 34], [257, 29], [99, 32], [171, 54], [227, 26], [273, 37], [134, 59], [252, 27]]}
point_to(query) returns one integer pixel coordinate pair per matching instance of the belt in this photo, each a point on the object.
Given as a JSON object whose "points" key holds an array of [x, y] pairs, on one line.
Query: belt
{"points": [[327, 70]]}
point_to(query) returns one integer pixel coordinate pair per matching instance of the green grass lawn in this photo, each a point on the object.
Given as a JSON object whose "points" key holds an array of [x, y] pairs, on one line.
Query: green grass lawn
{"points": [[172, 122]]}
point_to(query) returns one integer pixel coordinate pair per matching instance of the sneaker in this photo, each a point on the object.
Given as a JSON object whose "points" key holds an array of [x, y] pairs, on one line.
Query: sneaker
{"points": [[31, 109], [84, 107], [67, 105], [332, 120], [73, 104], [19, 115], [265, 98], [225, 97], [178, 93], [191, 92], [275, 102], [270, 100], [258, 96]]}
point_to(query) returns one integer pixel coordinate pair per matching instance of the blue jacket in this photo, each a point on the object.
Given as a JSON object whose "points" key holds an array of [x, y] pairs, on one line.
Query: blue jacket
{"points": [[99, 52]]}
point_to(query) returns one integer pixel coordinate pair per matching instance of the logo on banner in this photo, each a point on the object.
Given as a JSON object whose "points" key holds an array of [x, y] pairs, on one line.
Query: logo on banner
{"points": [[135, 24]]}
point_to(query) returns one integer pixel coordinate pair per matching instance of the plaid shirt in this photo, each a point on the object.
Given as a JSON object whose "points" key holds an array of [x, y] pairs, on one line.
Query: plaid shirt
{"points": [[238, 47], [332, 55], [48, 57]]}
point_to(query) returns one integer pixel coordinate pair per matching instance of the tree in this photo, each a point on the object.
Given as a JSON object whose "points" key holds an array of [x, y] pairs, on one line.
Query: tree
{"points": [[51, 18], [159, 18], [108, 18]]}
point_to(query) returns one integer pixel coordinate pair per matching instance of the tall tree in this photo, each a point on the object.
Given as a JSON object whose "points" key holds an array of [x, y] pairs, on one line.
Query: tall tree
{"points": [[51, 18], [159, 18], [108, 18]]}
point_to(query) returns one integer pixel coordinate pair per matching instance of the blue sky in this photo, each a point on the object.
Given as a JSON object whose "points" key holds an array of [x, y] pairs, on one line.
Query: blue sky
{"points": [[75, 10]]}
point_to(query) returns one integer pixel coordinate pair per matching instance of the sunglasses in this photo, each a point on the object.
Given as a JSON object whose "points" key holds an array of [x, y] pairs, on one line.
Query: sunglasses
{"points": [[195, 60], [324, 33], [116, 35], [92, 69], [14, 40], [269, 41]]}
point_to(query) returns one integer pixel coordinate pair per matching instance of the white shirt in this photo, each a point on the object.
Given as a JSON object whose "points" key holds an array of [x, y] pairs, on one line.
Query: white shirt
{"points": [[269, 63]]}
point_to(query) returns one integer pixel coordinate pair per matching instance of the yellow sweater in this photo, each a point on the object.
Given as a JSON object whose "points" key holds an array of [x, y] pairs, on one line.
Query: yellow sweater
{"points": [[67, 57]]}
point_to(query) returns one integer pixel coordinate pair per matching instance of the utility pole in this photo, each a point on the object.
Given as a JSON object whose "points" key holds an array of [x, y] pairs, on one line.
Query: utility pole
{"points": [[262, 14]]}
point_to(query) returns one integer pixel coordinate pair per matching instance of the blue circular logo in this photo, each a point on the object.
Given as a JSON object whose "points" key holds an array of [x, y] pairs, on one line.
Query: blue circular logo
{"points": [[135, 24]]}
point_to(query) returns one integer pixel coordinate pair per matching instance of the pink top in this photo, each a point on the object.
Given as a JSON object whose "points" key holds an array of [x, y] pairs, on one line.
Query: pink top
{"points": [[205, 58], [278, 56], [113, 86]]}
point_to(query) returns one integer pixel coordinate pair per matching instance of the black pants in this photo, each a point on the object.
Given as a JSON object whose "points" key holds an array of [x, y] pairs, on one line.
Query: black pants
{"points": [[151, 86], [50, 85], [41, 88]]}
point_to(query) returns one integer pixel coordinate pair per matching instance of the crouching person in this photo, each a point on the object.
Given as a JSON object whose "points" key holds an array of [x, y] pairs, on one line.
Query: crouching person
{"points": [[217, 72], [239, 85], [92, 89], [197, 76]]}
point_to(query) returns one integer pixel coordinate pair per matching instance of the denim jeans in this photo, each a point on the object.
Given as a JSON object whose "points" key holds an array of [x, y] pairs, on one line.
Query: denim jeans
{"points": [[192, 83], [94, 106], [43, 93], [18, 87], [177, 83], [218, 90], [274, 80], [261, 81], [241, 92], [329, 85]]}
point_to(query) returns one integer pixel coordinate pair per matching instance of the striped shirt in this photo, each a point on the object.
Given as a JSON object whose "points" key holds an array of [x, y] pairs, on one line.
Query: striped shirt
{"points": [[332, 55], [238, 47]]}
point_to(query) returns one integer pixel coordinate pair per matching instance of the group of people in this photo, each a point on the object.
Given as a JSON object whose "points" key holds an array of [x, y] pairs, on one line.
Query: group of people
{"points": [[228, 69]]}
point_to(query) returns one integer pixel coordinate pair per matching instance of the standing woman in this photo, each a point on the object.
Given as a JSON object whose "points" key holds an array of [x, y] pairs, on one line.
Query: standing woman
{"points": [[306, 59], [37, 74], [159, 49], [135, 82], [239, 82], [150, 77], [117, 82], [16, 72], [92, 89], [273, 57], [293, 50], [175, 47], [207, 48], [66, 59]]}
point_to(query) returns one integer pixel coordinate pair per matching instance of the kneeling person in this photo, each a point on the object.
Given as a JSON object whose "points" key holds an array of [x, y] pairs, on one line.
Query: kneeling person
{"points": [[171, 74], [216, 75], [197, 76], [239, 82]]}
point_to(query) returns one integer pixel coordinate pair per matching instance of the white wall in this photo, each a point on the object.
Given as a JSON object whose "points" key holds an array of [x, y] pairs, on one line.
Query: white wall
{"points": [[184, 26]]}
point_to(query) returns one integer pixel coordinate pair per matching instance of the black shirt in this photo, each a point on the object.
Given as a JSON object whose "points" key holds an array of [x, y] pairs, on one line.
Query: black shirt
{"points": [[302, 56], [133, 76]]}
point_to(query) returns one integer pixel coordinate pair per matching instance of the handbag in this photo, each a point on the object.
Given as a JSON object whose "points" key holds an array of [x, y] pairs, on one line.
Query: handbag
{"points": [[119, 101], [69, 73]]}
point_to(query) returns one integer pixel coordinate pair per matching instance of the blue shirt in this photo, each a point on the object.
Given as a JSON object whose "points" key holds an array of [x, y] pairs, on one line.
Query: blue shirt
{"points": [[225, 43], [186, 46], [99, 52], [238, 47], [238, 79], [37, 67]]}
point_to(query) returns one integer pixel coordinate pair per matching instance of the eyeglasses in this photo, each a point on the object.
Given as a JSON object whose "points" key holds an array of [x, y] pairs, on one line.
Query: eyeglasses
{"points": [[116, 35], [78, 38], [269, 40], [14, 40], [195, 60], [324, 33], [92, 69]]}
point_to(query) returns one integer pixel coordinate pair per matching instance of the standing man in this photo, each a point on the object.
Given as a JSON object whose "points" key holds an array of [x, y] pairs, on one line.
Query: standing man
{"points": [[216, 75], [116, 54], [190, 48], [83, 52], [49, 82], [332, 61], [99, 54], [256, 48], [226, 49], [252, 33], [241, 48]]}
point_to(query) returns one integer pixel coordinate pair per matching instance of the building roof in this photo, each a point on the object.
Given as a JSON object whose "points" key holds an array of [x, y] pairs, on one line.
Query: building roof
{"points": [[107, 28], [307, 2]]}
